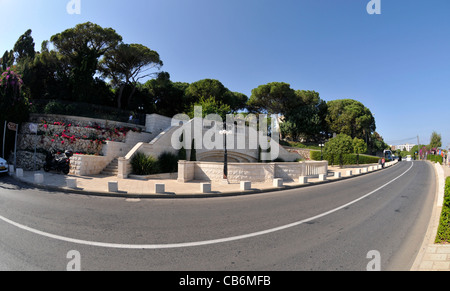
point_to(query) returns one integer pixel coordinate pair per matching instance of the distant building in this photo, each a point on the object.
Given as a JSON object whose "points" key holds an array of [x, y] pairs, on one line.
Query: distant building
{"points": [[404, 147]]}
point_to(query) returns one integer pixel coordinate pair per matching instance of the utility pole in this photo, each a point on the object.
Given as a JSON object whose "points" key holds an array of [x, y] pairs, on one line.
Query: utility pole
{"points": [[418, 146]]}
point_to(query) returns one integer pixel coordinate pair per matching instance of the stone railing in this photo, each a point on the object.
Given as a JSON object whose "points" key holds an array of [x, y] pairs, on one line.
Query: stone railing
{"points": [[252, 172]]}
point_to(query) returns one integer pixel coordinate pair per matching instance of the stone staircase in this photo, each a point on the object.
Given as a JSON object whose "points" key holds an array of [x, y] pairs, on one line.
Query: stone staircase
{"points": [[111, 169]]}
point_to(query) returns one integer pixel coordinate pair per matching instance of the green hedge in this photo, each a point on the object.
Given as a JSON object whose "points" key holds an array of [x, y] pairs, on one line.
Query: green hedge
{"points": [[443, 235], [349, 159], [435, 158]]}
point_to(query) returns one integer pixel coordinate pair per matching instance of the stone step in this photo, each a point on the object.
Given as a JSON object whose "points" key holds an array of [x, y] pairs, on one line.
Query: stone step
{"points": [[112, 168]]}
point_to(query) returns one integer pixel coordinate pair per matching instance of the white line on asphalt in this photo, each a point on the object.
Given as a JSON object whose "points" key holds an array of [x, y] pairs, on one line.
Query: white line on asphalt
{"points": [[191, 244]]}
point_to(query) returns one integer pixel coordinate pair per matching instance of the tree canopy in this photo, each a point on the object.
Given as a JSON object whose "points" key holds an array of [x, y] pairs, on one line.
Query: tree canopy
{"points": [[208, 88], [89, 63], [127, 64], [350, 117], [81, 48], [435, 140], [272, 98]]}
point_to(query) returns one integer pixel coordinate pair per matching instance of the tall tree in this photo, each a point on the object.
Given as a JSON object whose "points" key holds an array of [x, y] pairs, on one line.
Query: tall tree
{"points": [[207, 88], [350, 117], [435, 140], [272, 98], [81, 48], [168, 98], [127, 64], [24, 47], [306, 118], [7, 60]]}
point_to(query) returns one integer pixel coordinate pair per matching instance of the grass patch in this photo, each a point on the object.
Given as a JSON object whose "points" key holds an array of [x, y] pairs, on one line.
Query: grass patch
{"points": [[443, 234]]}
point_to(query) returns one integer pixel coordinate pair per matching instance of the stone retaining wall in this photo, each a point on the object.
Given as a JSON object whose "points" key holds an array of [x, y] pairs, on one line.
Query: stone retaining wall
{"points": [[253, 172]]}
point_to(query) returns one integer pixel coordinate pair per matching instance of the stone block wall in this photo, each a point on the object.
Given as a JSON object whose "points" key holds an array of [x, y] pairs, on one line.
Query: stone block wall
{"points": [[253, 172], [85, 165]]}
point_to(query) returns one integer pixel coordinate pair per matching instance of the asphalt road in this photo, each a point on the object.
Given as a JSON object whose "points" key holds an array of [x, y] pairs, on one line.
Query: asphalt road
{"points": [[333, 226]]}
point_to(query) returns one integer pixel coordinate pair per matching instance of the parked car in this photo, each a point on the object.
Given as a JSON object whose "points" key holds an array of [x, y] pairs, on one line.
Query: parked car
{"points": [[3, 166]]}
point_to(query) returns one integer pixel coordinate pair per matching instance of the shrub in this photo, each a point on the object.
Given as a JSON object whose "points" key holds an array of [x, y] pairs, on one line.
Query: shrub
{"points": [[338, 147], [315, 155], [168, 163], [144, 165], [435, 158], [443, 233], [348, 159]]}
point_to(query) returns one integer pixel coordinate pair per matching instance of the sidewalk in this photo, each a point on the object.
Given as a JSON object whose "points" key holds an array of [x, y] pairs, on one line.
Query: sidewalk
{"points": [[432, 256], [98, 185]]}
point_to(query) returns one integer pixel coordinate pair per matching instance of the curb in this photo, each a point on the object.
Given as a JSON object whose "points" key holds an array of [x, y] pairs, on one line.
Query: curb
{"points": [[433, 224]]}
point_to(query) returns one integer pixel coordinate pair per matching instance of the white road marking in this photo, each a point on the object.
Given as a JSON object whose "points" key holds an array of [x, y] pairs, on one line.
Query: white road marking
{"points": [[191, 244]]}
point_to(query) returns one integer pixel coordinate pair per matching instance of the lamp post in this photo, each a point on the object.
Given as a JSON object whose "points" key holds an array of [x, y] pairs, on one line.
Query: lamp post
{"points": [[225, 132], [321, 152]]}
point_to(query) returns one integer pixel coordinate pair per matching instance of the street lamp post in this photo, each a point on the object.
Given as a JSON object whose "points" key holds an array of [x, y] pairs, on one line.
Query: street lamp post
{"points": [[321, 152], [225, 132]]}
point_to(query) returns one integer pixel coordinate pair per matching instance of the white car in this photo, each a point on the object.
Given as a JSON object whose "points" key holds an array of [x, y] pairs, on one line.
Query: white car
{"points": [[3, 166]]}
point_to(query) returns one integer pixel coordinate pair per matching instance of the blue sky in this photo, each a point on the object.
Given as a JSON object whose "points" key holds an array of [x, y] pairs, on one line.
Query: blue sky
{"points": [[397, 63]]}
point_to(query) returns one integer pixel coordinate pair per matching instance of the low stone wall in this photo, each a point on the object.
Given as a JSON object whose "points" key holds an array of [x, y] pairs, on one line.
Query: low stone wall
{"points": [[85, 165], [253, 172], [303, 153]]}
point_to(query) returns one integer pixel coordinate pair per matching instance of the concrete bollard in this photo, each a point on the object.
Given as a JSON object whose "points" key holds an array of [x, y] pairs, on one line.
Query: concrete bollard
{"points": [[278, 182], [160, 188], [38, 178], [72, 183], [364, 170], [204, 188], [337, 174], [246, 185], [322, 177], [11, 169], [19, 173], [303, 180], [113, 186], [357, 171], [349, 173]]}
